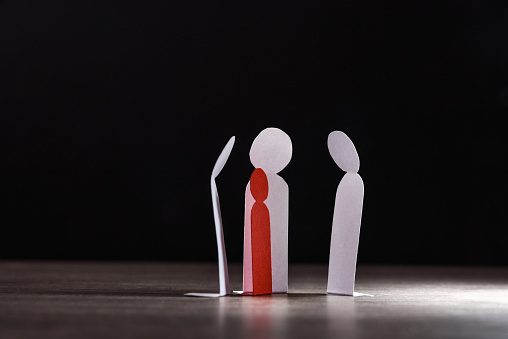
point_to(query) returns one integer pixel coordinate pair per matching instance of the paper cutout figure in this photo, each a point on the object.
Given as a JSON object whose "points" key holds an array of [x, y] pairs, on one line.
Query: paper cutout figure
{"points": [[260, 233], [271, 151], [221, 248], [347, 216]]}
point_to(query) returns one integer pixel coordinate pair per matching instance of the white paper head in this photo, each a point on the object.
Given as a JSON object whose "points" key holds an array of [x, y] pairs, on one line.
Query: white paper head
{"points": [[223, 157], [343, 151], [271, 150]]}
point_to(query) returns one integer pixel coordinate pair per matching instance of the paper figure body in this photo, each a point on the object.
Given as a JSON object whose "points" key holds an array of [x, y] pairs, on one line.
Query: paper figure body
{"points": [[271, 151], [221, 248], [347, 216]]}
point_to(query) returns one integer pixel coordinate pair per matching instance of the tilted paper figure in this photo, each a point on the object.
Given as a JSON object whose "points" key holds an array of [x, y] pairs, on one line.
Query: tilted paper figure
{"points": [[347, 216], [271, 151], [221, 248]]}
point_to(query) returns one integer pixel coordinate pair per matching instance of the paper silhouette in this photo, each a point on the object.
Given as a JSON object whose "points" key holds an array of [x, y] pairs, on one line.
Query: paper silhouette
{"points": [[221, 248], [260, 234], [347, 217], [271, 151]]}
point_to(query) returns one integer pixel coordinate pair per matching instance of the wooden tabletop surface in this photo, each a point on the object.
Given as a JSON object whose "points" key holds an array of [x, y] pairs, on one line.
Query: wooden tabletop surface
{"points": [[145, 300]]}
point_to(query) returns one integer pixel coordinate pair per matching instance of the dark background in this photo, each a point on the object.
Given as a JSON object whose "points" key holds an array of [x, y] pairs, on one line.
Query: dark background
{"points": [[112, 114]]}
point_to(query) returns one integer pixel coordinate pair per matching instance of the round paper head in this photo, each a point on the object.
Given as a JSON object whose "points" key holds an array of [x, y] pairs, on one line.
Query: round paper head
{"points": [[259, 185], [271, 150], [343, 151]]}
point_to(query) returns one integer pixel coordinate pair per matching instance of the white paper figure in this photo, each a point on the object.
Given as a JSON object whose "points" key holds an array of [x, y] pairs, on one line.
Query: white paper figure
{"points": [[347, 217], [221, 248], [271, 151]]}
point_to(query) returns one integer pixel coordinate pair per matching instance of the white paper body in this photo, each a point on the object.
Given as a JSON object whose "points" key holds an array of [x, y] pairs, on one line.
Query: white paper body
{"points": [[221, 247], [346, 224], [278, 205]]}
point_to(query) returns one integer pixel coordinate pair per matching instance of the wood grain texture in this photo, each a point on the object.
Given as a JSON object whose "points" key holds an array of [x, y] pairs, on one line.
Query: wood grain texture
{"points": [[145, 300]]}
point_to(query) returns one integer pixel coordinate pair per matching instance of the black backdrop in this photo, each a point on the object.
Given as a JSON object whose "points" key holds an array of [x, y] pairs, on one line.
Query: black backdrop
{"points": [[113, 113]]}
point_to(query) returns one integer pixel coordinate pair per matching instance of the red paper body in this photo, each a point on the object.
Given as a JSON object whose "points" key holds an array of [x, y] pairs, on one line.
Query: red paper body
{"points": [[261, 250]]}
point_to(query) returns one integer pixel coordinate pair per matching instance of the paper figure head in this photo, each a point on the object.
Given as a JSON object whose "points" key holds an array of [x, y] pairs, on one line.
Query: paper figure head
{"points": [[343, 151], [259, 185], [223, 157], [271, 150]]}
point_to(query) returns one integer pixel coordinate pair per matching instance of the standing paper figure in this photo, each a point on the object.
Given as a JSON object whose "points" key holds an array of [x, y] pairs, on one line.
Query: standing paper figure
{"points": [[347, 216], [271, 151], [221, 248], [260, 235]]}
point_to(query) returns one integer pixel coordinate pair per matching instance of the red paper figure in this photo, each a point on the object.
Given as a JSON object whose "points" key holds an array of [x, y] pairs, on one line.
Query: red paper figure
{"points": [[260, 232]]}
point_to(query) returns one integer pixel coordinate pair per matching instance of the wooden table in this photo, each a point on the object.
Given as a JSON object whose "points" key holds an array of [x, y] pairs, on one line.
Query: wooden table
{"points": [[145, 300]]}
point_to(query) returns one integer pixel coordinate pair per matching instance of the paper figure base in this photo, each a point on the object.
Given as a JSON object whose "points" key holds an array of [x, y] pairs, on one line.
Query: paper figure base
{"points": [[355, 294], [204, 295]]}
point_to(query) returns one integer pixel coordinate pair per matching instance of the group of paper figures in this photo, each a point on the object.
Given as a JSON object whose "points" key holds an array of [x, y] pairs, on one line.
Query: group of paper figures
{"points": [[265, 259]]}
